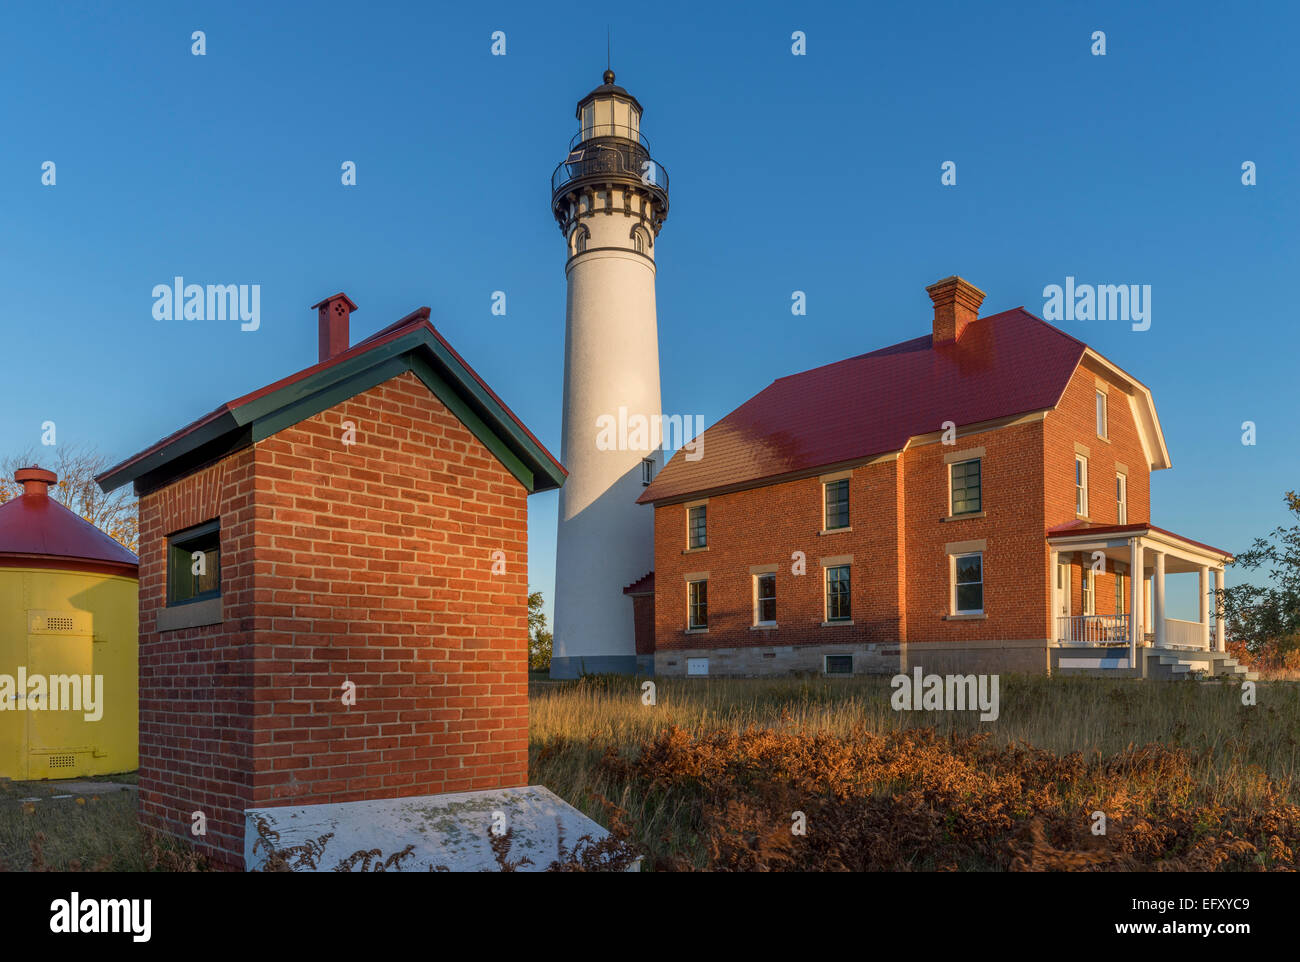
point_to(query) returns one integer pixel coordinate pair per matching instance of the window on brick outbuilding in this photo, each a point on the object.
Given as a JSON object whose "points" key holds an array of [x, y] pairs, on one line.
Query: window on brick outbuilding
{"points": [[194, 564]]}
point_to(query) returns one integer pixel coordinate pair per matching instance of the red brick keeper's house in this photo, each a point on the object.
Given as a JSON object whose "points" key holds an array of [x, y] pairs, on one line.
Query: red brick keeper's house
{"points": [[974, 499], [362, 521]]}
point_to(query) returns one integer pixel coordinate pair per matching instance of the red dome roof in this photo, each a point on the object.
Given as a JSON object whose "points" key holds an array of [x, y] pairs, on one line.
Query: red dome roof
{"points": [[36, 530]]}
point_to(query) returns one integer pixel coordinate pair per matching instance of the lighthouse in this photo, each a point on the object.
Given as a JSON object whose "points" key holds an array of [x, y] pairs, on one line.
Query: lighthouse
{"points": [[610, 199]]}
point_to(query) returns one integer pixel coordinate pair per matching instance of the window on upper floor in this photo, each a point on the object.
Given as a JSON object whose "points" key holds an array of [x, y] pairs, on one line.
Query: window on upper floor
{"points": [[1081, 485], [697, 526], [967, 489], [1121, 498], [1101, 415], [194, 564], [836, 494]]}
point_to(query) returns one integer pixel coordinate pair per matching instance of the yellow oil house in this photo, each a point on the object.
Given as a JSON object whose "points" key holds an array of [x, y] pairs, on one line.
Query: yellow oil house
{"points": [[69, 687]]}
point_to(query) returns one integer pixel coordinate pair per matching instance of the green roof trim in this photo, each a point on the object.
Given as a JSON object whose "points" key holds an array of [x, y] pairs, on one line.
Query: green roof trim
{"points": [[420, 351]]}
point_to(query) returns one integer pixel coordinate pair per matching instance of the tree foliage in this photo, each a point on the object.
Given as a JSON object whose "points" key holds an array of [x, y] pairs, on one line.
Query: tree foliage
{"points": [[1265, 619], [76, 466], [539, 636]]}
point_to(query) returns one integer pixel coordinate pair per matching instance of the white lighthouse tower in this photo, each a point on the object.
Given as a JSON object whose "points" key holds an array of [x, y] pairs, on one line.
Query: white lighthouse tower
{"points": [[610, 199]]}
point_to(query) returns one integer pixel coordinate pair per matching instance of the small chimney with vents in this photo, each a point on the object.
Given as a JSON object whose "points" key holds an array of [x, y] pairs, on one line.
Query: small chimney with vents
{"points": [[334, 313], [36, 481], [956, 304]]}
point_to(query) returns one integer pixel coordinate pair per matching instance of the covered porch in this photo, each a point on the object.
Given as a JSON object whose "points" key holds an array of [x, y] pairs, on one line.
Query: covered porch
{"points": [[1134, 561]]}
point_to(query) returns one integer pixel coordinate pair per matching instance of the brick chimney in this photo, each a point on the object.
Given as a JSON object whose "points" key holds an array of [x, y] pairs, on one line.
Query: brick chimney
{"points": [[334, 313], [956, 304]]}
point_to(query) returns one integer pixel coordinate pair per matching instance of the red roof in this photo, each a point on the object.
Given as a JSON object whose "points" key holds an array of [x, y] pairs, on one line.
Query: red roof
{"points": [[38, 531], [1003, 365], [645, 585], [1079, 526], [416, 320]]}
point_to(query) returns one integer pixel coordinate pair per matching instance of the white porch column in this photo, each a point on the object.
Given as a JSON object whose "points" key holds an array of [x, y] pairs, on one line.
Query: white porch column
{"points": [[1220, 638], [1158, 599], [1135, 603], [1054, 598], [1203, 580]]}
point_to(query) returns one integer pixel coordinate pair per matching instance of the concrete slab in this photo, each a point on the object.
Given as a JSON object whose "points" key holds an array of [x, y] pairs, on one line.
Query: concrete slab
{"points": [[450, 832]]}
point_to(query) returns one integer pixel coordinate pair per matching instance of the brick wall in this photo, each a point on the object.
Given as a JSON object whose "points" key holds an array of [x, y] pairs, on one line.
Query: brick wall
{"points": [[766, 526], [196, 699], [371, 563], [1015, 560]]}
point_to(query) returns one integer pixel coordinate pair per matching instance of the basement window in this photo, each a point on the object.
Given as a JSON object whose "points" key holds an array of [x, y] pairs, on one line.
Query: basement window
{"points": [[194, 564], [839, 664]]}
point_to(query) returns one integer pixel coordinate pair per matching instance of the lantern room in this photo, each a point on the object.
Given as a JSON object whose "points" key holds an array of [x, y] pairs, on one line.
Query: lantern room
{"points": [[609, 111], [68, 642]]}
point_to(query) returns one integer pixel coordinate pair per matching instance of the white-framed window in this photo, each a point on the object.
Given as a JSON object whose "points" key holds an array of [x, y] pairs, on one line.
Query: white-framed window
{"points": [[835, 496], [968, 583], [1081, 485], [697, 605], [647, 471], [697, 526], [1121, 497], [765, 598], [839, 599], [965, 486], [1120, 594], [1089, 591], [838, 665], [1101, 415]]}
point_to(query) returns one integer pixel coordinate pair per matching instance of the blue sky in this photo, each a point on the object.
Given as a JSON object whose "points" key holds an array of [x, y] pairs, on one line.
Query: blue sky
{"points": [[818, 173]]}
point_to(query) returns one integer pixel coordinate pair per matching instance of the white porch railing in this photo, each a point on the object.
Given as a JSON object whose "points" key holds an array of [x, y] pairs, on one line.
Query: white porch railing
{"points": [[1092, 629], [1183, 634]]}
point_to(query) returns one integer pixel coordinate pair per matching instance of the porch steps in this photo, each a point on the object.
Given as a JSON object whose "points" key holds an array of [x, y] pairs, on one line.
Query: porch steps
{"points": [[1161, 664], [1168, 665]]}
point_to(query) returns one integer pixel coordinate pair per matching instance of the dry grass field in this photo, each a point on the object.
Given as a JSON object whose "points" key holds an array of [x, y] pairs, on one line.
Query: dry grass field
{"points": [[712, 776]]}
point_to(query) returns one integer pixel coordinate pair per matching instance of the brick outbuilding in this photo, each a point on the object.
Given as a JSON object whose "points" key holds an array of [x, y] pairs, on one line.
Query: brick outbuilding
{"points": [[333, 588]]}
